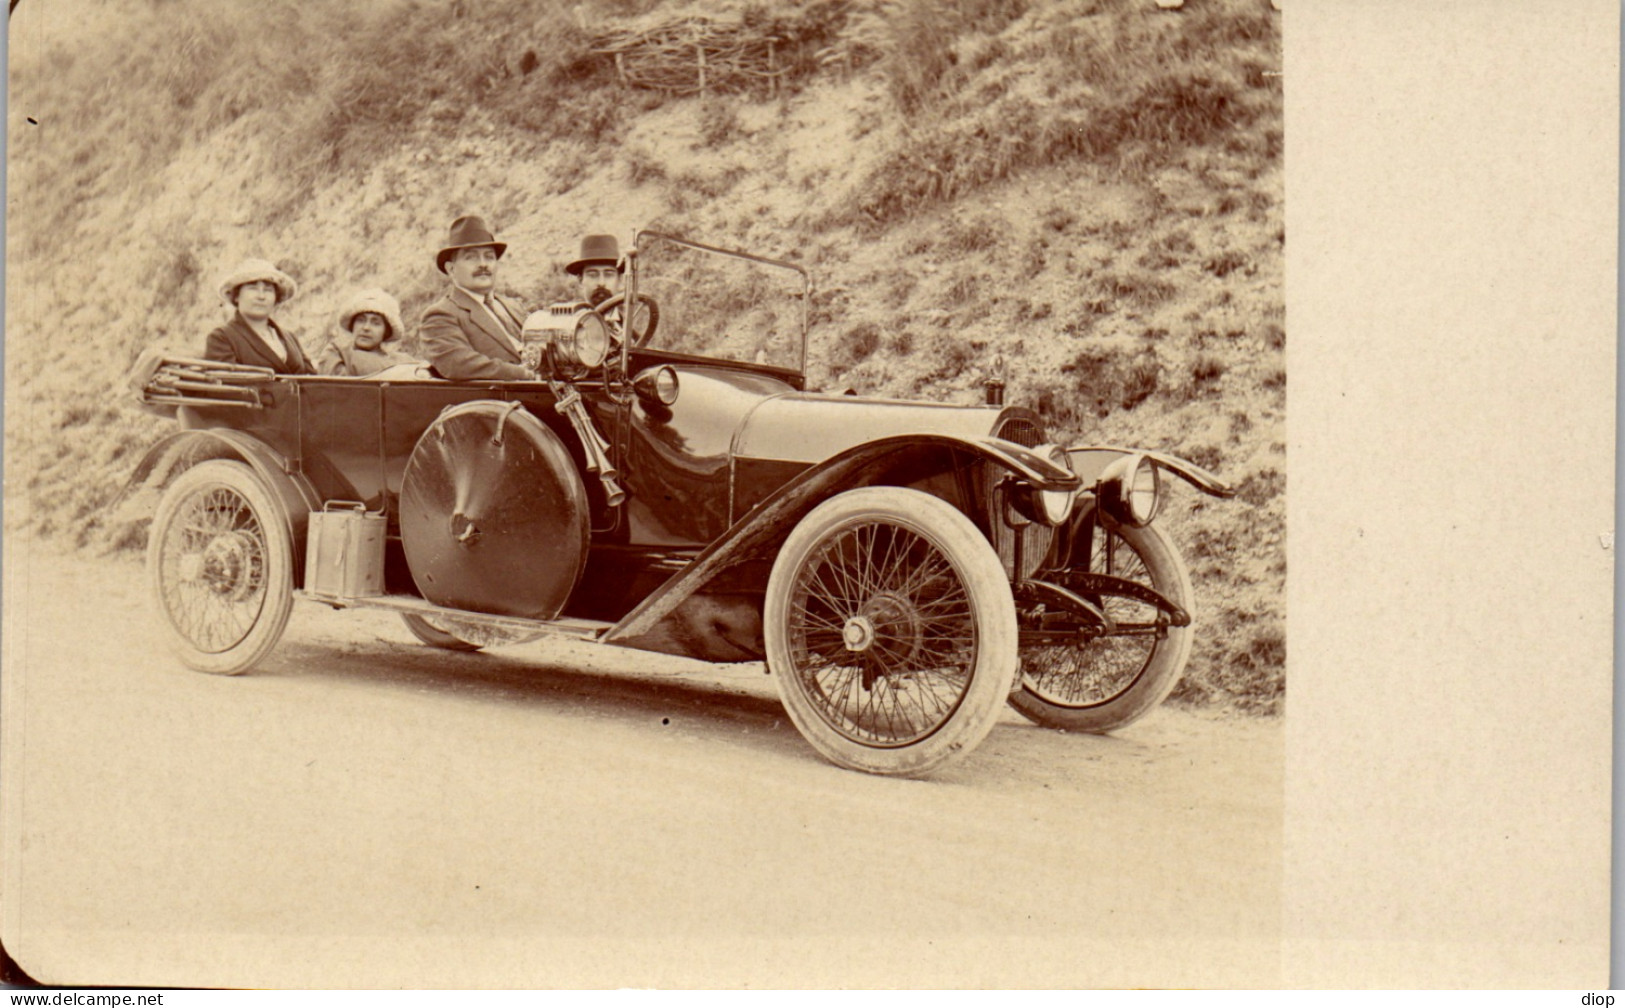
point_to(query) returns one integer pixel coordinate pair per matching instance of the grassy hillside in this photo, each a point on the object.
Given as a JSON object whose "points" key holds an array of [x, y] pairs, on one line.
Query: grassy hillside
{"points": [[1089, 193]]}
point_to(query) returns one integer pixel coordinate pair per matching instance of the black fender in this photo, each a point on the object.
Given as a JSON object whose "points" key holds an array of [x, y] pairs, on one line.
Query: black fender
{"points": [[182, 450], [1089, 461], [756, 533]]}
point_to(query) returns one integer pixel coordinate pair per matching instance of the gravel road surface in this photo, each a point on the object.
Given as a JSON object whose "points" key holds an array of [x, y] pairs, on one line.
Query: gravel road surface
{"points": [[362, 810]]}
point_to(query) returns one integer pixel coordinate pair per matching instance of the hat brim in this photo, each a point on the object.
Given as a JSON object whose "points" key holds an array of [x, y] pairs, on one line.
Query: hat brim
{"points": [[285, 287], [575, 268], [449, 251], [392, 320]]}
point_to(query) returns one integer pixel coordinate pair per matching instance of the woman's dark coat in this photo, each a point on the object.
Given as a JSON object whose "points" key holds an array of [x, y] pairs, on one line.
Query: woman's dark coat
{"points": [[236, 343]]}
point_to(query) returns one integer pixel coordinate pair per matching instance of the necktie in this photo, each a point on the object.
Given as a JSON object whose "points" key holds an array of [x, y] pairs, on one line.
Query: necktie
{"points": [[503, 321]]}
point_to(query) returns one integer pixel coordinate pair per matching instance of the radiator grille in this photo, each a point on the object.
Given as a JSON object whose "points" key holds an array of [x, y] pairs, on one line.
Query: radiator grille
{"points": [[1028, 433], [1034, 550], [1022, 431]]}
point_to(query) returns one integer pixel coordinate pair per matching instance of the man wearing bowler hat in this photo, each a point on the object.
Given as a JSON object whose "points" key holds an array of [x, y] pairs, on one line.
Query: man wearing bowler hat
{"points": [[473, 332], [598, 273], [598, 269]]}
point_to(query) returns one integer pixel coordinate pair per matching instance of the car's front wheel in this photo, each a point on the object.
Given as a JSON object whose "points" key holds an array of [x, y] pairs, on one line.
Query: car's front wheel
{"points": [[1117, 678], [890, 628]]}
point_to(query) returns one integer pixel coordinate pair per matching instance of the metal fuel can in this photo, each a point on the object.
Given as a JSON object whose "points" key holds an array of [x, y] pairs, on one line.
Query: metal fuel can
{"points": [[344, 552]]}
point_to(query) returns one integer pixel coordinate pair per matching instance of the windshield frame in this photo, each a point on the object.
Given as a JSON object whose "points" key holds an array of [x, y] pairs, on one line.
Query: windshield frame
{"points": [[645, 239]]}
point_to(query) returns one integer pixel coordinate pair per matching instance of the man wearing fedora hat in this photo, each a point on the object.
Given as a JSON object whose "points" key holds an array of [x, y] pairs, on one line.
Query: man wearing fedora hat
{"points": [[473, 332]]}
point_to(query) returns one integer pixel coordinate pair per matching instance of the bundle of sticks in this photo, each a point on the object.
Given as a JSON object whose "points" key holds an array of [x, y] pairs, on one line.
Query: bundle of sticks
{"points": [[692, 53]]}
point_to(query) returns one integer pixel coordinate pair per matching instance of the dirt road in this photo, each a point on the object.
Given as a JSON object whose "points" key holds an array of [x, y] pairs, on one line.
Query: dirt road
{"points": [[365, 811]]}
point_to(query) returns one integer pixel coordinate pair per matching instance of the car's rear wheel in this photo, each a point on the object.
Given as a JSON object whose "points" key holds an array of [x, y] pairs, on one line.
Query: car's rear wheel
{"points": [[890, 628], [451, 634], [220, 561], [434, 636], [1113, 680]]}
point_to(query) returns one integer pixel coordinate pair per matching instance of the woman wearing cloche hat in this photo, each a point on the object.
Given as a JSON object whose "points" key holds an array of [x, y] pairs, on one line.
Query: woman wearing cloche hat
{"points": [[368, 338], [254, 288]]}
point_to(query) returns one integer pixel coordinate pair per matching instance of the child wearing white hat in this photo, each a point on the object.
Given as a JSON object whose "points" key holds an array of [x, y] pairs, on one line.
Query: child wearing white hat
{"points": [[368, 337]]}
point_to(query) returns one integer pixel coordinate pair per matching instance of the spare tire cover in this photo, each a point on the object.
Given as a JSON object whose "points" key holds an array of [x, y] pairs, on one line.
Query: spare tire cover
{"points": [[493, 513]]}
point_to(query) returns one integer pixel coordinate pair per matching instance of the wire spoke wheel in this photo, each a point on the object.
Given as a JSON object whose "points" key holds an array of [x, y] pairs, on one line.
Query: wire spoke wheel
{"points": [[1112, 680], [890, 627], [221, 567], [881, 634]]}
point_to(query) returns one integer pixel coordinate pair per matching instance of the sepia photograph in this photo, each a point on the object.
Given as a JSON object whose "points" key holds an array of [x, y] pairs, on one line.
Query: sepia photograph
{"points": [[634, 493]]}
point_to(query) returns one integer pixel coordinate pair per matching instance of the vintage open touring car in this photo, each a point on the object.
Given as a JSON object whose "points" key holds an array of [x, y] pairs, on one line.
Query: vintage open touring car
{"points": [[905, 569]]}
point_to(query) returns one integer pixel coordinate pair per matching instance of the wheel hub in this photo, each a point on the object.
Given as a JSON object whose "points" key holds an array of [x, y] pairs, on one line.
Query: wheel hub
{"points": [[228, 565], [890, 621], [898, 620], [858, 633]]}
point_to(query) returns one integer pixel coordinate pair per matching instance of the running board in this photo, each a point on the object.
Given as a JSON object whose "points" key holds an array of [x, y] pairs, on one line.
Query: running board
{"points": [[565, 626]]}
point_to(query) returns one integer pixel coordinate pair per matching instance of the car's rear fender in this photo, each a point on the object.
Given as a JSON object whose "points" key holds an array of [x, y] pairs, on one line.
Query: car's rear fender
{"points": [[903, 460], [179, 452]]}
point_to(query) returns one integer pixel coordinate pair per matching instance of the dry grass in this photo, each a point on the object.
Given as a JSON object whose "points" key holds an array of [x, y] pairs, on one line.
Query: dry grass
{"points": [[992, 88]]}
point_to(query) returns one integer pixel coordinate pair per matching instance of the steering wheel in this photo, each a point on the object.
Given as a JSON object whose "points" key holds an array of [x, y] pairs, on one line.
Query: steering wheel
{"points": [[644, 321]]}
